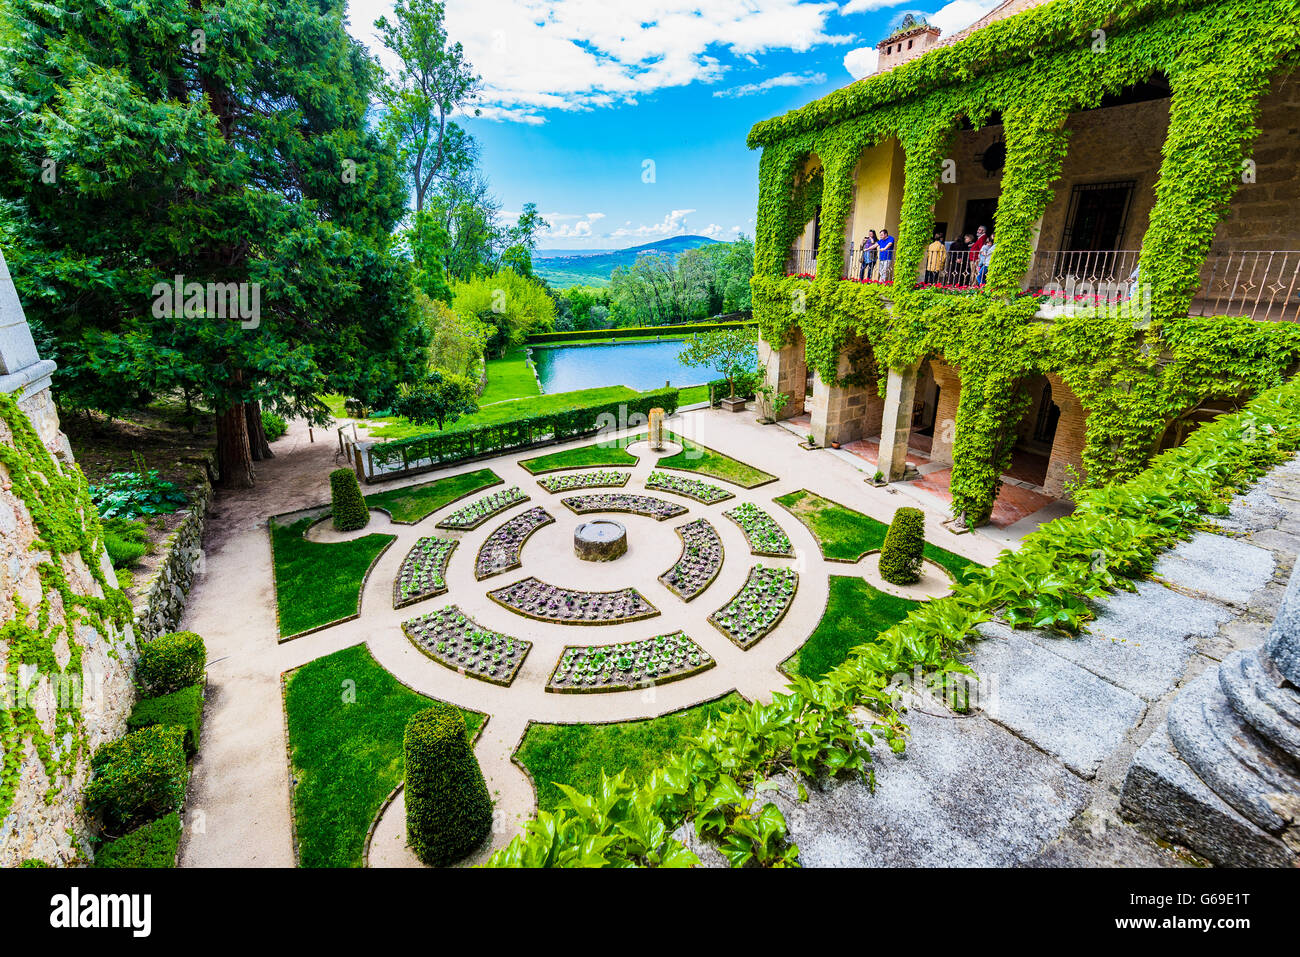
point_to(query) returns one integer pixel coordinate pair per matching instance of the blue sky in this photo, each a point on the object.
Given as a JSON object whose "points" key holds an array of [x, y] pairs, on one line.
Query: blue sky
{"points": [[580, 97]]}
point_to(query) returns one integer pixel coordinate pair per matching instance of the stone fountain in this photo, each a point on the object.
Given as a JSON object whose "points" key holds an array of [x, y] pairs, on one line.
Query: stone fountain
{"points": [[601, 540]]}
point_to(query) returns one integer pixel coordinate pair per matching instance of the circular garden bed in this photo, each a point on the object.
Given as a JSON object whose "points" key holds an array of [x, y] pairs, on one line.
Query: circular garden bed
{"points": [[699, 562], [584, 669], [764, 535], [536, 599], [500, 553], [572, 482], [689, 487], [758, 607], [424, 571], [644, 505], [479, 511], [452, 638]]}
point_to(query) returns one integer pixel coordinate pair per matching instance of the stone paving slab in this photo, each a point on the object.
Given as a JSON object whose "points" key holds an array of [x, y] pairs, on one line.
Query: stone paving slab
{"points": [[1228, 569], [964, 794], [1067, 711], [1141, 640]]}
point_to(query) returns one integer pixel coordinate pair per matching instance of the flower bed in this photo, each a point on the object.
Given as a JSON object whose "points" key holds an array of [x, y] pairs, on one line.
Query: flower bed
{"points": [[646, 505], [691, 488], [585, 669], [574, 481], [477, 512], [500, 552], [452, 638], [699, 563], [535, 599], [758, 607], [764, 535], [424, 571]]}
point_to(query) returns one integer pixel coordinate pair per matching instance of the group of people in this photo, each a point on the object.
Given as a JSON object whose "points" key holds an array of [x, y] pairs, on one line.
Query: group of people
{"points": [[962, 262]]}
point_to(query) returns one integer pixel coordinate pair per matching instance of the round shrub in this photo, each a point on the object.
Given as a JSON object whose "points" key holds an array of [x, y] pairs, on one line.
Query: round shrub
{"points": [[350, 512], [169, 663], [448, 810], [273, 425], [900, 556], [138, 777]]}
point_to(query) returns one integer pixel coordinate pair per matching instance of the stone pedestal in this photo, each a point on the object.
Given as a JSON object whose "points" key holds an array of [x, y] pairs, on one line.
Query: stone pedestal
{"points": [[1222, 776], [896, 422], [600, 541], [786, 370], [1066, 462]]}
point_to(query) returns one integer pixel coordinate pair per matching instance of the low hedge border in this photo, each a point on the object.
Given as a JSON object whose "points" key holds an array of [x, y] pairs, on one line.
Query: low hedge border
{"points": [[637, 332]]}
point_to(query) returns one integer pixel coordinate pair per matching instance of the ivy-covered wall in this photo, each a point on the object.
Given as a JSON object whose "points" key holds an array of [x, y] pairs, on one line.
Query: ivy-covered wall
{"points": [[65, 648], [1134, 376]]}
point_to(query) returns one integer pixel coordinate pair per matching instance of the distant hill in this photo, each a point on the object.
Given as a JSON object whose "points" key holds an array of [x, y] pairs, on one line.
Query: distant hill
{"points": [[563, 268]]}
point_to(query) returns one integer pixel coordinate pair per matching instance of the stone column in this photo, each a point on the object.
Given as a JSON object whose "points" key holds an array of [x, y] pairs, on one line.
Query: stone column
{"points": [[786, 370], [896, 424], [1225, 779], [844, 413], [23, 373], [1066, 462], [945, 417]]}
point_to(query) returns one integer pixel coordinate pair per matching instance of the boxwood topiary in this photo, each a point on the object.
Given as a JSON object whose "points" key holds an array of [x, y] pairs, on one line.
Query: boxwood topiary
{"points": [[138, 777], [900, 556], [350, 512], [181, 709], [448, 810], [169, 663], [151, 845]]}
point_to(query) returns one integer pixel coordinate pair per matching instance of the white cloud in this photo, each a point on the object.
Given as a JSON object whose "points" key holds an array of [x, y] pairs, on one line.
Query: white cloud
{"points": [[714, 231], [537, 55], [861, 62], [571, 225], [866, 6], [959, 14], [674, 224], [772, 82]]}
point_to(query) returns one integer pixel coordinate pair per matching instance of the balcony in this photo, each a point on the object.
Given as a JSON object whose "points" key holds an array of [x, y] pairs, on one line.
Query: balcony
{"points": [[1259, 284]]}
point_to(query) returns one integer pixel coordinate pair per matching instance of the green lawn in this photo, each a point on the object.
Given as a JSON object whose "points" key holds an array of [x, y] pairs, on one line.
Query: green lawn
{"points": [[409, 505], [575, 754], [396, 427], [845, 535], [692, 394], [315, 583], [509, 377], [855, 614], [697, 458], [587, 456], [346, 717]]}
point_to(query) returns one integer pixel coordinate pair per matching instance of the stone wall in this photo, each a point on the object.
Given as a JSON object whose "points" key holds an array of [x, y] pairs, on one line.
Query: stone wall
{"points": [[160, 597]]}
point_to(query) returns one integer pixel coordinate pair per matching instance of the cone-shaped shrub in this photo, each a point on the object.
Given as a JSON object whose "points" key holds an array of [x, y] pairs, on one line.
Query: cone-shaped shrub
{"points": [[448, 810], [350, 512], [900, 556]]}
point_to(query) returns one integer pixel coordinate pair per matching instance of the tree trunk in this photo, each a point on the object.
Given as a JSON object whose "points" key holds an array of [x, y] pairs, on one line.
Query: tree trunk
{"points": [[257, 444], [234, 457]]}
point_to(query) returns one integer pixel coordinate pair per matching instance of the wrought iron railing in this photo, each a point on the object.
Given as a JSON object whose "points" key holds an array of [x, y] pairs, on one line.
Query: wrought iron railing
{"points": [[1262, 284]]}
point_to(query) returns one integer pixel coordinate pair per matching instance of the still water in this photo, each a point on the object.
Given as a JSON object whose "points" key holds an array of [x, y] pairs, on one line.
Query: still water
{"points": [[639, 365]]}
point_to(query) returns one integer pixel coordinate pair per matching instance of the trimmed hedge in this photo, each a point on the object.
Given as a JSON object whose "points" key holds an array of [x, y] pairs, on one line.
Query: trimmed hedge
{"points": [[152, 845], [448, 809], [181, 709], [273, 425], [138, 777], [169, 663], [900, 555], [746, 384], [350, 512], [636, 332], [445, 447]]}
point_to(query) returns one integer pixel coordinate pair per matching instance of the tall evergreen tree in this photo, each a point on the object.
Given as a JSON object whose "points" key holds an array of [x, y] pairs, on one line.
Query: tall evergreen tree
{"points": [[219, 142]]}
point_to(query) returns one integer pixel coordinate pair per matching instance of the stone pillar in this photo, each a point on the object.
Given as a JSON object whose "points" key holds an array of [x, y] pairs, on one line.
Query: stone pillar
{"points": [[23, 373], [1223, 775], [786, 370], [896, 424], [945, 417], [844, 413], [1066, 462]]}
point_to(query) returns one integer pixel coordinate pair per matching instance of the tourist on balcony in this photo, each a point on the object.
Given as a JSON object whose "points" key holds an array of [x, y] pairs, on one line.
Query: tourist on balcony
{"points": [[886, 250], [936, 254], [870, 251], [959, 270], [985, 254], [981, 240]]}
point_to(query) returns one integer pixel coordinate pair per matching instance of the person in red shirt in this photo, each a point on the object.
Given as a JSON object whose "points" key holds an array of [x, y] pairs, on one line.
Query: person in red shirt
{"points": [[981, 240]]}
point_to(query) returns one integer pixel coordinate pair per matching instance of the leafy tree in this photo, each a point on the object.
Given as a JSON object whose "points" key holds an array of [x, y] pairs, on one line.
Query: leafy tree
{"points": [[438, 399], [455, 342], [729, 352], [225, 143], [520, 240], [512, 306]]}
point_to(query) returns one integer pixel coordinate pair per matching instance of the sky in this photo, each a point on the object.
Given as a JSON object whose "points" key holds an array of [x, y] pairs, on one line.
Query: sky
{"points": [[625, 120]]}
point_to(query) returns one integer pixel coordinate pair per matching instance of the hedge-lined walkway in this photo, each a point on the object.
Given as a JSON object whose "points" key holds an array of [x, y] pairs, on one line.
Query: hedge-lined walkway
{"points": [[241, 781]]}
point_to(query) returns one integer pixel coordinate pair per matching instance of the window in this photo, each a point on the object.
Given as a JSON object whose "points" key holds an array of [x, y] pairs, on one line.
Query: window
{"points": [[1097, 216], [909, 44]]}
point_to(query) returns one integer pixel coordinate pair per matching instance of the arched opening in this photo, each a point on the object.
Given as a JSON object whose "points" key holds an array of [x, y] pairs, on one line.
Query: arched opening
{"points": [[805, 217], [873, 213]]}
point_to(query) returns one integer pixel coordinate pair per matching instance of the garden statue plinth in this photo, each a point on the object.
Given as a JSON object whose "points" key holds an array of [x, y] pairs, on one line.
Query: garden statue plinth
{"points": [[657, 429], [600, 541]]}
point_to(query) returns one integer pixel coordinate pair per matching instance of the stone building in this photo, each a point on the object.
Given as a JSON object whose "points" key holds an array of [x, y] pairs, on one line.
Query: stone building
{"points": [[1124, 138], [81, 692]]}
